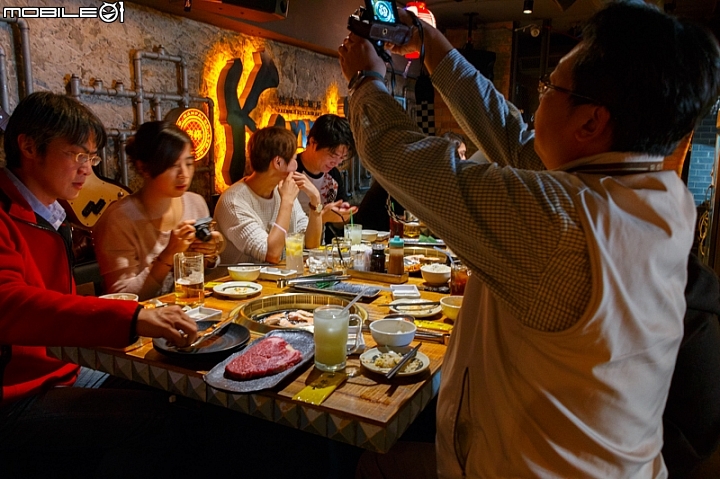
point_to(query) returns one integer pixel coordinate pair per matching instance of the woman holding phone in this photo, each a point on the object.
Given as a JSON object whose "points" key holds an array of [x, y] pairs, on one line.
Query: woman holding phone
{"points": [[137, 238]]}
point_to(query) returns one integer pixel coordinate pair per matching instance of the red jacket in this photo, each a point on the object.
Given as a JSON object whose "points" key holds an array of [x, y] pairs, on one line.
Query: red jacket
{"points": [[38, 305]]}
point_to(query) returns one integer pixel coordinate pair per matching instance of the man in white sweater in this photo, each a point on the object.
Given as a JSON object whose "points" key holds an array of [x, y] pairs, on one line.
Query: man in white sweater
{"points": [[256, 213]]}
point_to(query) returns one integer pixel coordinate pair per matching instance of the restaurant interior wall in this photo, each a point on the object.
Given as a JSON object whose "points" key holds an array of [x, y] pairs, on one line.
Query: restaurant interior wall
{"points": [[94, 50]]}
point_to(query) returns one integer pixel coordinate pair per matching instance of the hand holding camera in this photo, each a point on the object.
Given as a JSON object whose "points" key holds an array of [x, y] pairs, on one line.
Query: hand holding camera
{"points": [[378, 22]]}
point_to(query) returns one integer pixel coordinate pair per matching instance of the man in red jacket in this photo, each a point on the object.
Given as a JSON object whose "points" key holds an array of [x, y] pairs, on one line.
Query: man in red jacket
{"points": [[51, 142]]}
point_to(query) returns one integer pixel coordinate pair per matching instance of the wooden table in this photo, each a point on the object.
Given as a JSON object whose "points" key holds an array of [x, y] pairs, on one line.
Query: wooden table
{"points": [[367, 411]]}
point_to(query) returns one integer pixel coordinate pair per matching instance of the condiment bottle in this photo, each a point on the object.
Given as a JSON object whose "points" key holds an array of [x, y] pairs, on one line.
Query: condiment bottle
{"points": [[396, 261], [377, 258]]}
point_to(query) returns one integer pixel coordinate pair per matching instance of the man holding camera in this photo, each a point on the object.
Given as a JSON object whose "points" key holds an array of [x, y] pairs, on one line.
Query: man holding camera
{"points": [[564, 349]]}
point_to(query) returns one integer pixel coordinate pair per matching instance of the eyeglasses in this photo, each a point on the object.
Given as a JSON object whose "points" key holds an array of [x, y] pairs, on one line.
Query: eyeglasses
{"points": [[82, 158], [339, 159], [544, 85]]}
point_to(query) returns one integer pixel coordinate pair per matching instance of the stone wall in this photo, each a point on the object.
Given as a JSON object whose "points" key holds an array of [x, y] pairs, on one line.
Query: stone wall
{"points": [[92, 49]]}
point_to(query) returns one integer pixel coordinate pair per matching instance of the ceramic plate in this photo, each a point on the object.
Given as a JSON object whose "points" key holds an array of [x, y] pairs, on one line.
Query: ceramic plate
{"points": [[237, 289], [300, 340], [226, 341], [367, 359], [415, 311]]}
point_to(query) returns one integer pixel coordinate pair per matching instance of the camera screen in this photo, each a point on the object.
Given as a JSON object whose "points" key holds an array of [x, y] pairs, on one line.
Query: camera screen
{"points": [[384, 11]]}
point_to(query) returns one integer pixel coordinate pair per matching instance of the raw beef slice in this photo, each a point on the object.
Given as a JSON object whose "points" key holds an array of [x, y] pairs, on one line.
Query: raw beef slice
{"points": [[269, 356]]}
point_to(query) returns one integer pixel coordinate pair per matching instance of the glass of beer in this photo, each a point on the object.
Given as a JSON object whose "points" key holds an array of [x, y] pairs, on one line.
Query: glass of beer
{"points": [[331, 337], [189, 279]]}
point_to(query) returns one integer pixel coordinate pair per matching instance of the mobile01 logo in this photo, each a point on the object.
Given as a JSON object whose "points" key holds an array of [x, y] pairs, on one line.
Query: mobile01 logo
{"points": [[107, 12]]}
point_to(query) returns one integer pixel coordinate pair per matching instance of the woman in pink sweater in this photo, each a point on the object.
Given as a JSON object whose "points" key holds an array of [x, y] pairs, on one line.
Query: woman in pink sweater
{"points": [[137, 237]]}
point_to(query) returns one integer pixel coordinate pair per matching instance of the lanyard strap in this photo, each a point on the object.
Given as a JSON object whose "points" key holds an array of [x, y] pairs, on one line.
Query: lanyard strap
{"points": [[615, 169]]}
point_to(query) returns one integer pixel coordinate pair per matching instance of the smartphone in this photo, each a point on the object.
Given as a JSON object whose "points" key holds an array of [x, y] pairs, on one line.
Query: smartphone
{"points": [[384, 11]]}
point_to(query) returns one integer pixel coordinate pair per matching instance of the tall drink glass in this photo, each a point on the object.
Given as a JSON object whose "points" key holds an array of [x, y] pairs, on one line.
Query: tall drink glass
{"points": [[189, 279], [331, 336], [354, 233], [458, 278], [294, 252], [341, 255]]}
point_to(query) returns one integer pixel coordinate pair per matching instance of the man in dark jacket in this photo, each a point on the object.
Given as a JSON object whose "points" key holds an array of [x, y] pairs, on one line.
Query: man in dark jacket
{"points": [[691, 421]]}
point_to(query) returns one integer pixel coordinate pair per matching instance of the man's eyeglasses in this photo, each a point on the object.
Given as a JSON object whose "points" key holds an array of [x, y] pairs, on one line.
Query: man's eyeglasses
{"points": [[338, 159], [544, 85], [82, 158]]}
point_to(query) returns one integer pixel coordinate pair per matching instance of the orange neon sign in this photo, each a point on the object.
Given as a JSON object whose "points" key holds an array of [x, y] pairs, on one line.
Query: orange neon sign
{"points": [[196, 124]]}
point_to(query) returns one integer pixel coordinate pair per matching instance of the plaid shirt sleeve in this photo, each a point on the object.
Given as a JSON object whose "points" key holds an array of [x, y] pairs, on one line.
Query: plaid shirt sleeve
{"points": [[514, 224]]}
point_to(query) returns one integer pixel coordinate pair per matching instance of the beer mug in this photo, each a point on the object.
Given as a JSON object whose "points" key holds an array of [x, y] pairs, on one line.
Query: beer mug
{"points": [[189, 279]]}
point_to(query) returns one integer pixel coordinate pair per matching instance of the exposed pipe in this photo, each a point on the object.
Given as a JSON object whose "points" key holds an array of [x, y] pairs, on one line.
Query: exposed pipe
{"points": [[155, 103], [122, 136], [4, 102], [25, 49], [139, 95]]}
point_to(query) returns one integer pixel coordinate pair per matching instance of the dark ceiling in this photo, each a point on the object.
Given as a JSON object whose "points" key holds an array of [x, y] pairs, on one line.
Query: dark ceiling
{"points": [[320, 25]]}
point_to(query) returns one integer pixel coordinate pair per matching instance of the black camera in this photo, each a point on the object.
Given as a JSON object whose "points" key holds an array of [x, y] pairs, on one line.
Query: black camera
{"points": [[202, 229], [378, 22]]}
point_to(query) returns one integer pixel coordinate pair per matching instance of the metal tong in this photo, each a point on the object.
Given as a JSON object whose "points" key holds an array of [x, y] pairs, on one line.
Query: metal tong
{"points": [[283, 282]]}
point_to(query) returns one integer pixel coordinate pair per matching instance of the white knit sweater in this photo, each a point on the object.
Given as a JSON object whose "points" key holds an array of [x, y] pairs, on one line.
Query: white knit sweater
{"points": [[246, 219]]}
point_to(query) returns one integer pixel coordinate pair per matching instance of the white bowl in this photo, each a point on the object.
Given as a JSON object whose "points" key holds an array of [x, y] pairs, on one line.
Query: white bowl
{"points": [[244, 273], [435, 273], [392, 332], [369, 235], [123, 296], [451, 306]]}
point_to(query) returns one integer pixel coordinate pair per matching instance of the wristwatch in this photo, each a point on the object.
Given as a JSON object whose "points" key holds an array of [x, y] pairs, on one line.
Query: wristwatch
{"points": [[360, 76], [316, 208]]}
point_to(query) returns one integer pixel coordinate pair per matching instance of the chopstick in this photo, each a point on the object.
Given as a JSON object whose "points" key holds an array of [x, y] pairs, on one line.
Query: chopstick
{"points": [[411, 354], [424, 303]]}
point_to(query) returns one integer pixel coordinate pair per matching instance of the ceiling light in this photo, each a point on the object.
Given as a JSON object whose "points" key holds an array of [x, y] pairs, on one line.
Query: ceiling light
{"points": [[528, 7]]}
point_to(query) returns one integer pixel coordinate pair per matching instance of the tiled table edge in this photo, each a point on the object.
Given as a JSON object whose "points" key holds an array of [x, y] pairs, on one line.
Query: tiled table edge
{"points": [[366, 435]]}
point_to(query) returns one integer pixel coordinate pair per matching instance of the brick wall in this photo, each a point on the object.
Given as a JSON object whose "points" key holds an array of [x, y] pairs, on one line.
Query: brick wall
{"points": [[702, 159]]}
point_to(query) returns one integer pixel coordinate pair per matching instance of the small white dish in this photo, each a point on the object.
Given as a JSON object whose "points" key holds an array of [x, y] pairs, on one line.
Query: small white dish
{"points": [[237, 289], [392, 332], [404, 291], [435, 273], [244, 273], [204, 314], [382, 235], [415, 311], [272, 273], [121, 296], [369, 235], [367, 359]]}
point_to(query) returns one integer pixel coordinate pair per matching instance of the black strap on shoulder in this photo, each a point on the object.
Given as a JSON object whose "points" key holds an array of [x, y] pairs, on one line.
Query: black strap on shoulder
{"points": [[617, 169]]}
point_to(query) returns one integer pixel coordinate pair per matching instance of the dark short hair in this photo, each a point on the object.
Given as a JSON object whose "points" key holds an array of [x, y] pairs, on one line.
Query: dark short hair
{"points": [[267, 143], [454, 137], [44, 117], [657, 75], [331, 131], [156, 146]]}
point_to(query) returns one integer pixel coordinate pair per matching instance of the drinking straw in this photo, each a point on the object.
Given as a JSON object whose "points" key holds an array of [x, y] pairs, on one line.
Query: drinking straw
{"points": [[351, 218]]}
